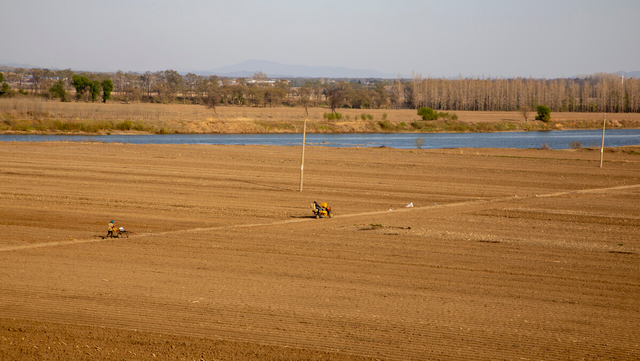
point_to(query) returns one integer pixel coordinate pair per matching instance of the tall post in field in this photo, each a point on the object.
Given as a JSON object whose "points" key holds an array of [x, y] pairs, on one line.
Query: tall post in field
{"points": [[304, 136], [604, 123]]}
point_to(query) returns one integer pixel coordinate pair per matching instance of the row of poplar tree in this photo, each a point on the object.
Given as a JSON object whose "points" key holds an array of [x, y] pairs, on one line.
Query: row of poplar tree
{"points": [[594, 93]]}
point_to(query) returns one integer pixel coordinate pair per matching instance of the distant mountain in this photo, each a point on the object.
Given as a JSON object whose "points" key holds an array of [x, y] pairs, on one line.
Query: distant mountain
{"points": [[278, 70], [630, 74], [16, 65], [274, 69]]}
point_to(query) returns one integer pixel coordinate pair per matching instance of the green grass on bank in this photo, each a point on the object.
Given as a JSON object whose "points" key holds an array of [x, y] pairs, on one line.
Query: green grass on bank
{"points": [[64, 126], [70, 127]]}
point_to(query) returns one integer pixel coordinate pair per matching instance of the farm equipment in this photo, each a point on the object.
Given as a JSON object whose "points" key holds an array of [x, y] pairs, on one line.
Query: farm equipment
{"points": [[321, 210], [117, 233], [121, 233]]}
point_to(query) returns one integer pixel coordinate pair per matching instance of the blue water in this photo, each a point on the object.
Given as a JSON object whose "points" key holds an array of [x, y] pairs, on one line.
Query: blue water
{"points": [[555, 139]]}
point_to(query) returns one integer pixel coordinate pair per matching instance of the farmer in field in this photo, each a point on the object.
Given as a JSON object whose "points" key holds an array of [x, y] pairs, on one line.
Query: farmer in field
{"points": [[111, 229]]}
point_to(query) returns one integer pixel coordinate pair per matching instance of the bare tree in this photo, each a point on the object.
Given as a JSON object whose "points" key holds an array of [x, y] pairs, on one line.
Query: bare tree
{"points": [[36, 78], [212, 100], [524, 110], [260, 77], [147, 81], [189, 88], [119, 81], [168, 84], [335, 96], [20, 73], [417, 90], [397, 93], [304, 96]]}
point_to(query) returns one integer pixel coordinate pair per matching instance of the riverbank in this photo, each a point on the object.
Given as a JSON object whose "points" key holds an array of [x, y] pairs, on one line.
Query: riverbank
{"points": [[35, 116]]}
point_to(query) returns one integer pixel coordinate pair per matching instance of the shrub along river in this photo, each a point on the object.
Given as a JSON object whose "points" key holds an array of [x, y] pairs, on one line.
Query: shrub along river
{"points": [[563, 139]]}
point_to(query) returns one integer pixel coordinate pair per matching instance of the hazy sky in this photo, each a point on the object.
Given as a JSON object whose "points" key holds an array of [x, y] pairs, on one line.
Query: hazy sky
{"points": [[506, 38]]}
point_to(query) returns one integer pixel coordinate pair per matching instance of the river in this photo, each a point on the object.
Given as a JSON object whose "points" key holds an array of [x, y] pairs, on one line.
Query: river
{"points": [[555, 139]]}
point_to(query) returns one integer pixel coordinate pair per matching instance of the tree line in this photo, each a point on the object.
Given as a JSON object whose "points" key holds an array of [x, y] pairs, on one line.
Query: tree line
{"points": [[593, 93]]}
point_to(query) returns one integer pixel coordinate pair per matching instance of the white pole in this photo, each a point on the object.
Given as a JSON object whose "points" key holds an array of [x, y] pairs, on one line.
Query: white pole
{"points": [[304, 136], [604, 123]]}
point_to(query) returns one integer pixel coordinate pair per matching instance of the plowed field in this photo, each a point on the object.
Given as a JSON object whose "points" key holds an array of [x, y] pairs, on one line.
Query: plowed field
{"points": [[505, 254]]}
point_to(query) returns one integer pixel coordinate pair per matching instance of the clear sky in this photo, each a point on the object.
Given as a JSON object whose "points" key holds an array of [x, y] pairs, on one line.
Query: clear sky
{"points": [[542, 38]]}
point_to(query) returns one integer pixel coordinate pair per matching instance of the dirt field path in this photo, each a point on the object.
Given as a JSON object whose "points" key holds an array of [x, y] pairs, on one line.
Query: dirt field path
{"points": [[406, 209], [507, 254]]}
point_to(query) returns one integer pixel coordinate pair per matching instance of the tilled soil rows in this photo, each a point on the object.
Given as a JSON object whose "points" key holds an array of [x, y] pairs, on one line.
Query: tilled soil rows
{"points": [[505, 254]]}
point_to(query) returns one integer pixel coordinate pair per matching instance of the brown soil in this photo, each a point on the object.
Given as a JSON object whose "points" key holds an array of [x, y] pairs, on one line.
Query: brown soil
{"points": [[506, 254]]}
